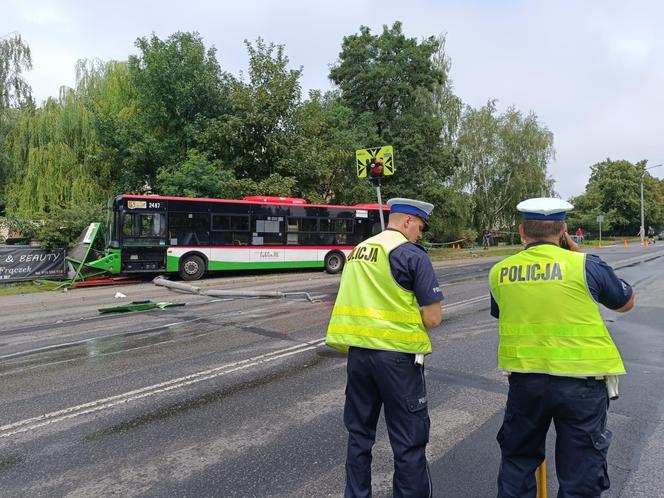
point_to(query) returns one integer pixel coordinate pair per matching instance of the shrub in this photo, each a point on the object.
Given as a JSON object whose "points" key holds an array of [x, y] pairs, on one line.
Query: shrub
{"points": [[65, 225], [21, 231], [468, 235]]}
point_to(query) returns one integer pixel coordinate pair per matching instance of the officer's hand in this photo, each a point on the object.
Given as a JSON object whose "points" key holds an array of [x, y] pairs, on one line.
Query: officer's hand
{"points": [[573, 246]]}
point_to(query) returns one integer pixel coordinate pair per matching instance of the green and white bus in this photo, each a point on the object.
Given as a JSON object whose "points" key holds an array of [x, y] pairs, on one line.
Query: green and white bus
{"points": [[190, 236]]}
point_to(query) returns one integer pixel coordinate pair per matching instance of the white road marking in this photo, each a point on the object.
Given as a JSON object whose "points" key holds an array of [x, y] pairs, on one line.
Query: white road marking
{"points": [[469, 332], [112, 401], [144, 392], [62, 345], [463, 304]]}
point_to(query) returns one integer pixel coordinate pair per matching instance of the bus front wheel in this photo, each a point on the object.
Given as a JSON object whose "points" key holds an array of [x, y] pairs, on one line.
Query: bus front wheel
{"points": [[192, 267], [334, 262]]}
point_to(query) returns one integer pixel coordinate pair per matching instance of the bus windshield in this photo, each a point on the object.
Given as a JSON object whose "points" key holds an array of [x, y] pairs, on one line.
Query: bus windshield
{"points": [[143, 227]]}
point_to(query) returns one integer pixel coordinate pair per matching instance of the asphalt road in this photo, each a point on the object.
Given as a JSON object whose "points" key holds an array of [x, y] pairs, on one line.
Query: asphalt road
{"points": [[239, 397]]}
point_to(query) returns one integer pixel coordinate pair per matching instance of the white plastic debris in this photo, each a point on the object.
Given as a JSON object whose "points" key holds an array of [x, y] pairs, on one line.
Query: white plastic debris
{"points": [[119, 295]]}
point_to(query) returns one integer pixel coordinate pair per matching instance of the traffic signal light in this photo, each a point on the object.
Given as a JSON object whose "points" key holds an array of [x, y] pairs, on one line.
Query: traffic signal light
{"points": [[375, 168]]}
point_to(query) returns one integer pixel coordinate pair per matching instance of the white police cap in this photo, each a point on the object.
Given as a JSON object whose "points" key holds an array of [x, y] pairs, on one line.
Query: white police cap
{"points": [[544, 208], [411, 206]]}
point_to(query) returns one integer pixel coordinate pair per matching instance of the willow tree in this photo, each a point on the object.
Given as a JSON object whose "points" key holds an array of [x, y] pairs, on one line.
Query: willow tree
{"points": [[122, 152], [50, 152], [15, 58], [504, 159]]}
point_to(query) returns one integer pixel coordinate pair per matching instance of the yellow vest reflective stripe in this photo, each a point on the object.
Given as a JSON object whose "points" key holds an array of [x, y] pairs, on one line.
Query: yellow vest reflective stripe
{"points": [[397, 316], [371, 310], [549, 322]]}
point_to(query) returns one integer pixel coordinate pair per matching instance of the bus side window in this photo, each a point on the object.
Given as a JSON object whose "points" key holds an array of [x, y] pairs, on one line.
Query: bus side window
{"points": [[268, 230], [189, 229], [190, 239], [241, 238]]}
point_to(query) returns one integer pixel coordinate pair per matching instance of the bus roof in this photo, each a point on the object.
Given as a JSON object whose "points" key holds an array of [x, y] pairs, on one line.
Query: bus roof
{"points": [[254, 199]]}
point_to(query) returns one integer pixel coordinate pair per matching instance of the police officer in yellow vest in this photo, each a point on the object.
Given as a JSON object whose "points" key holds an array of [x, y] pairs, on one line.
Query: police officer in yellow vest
{"points": [[558, 353], [387, 297]]}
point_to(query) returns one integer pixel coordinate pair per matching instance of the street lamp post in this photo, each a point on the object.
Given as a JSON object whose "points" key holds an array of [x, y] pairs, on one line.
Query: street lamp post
{"points": [[642, 231]]}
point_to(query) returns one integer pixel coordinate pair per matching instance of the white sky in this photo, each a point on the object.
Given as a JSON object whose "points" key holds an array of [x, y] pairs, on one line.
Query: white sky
{"points": [[593, 71]]}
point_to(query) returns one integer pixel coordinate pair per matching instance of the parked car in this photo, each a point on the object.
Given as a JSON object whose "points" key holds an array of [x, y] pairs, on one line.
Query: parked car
{"points": [[661, 235]]}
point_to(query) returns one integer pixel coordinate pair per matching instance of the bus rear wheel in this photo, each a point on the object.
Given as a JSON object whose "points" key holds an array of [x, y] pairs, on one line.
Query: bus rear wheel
{"points": [[334, 262], [192, 267]]}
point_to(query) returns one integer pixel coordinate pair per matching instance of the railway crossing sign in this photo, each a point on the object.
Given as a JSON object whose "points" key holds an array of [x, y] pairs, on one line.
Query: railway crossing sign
{"points": [[375, 162]]}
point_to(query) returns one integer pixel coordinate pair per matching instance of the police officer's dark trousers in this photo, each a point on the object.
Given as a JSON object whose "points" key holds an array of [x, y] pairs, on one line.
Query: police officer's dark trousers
{"points": [[391, 379], [578, 409]]}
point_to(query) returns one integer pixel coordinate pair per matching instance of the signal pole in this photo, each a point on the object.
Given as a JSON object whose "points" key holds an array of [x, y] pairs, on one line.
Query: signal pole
{"points": [[380, 207]]}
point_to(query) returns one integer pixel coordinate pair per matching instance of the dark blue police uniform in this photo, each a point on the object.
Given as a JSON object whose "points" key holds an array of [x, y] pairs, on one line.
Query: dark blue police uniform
{"points": [[393, 380], [577, 406]]}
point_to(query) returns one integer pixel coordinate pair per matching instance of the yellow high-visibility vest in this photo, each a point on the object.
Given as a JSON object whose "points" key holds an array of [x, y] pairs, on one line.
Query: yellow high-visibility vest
{"points": [[549, 321], [371, 310]]}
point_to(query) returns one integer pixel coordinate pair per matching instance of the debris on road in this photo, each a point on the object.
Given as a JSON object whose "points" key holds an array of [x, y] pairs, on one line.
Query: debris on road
{"points": [[192, 289], [139, 306]]}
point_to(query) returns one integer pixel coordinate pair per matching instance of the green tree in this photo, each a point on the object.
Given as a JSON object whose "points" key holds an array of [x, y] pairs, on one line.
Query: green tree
{"points": [[53, 164], [195, 177], [178, 83], [399, 89], [322, 152], [504, 160], [613, 190], [381, 74], [236, 188], [8, 119], [254, 138], [15, 58], [64, 225], [446, 104], [121, 142]]}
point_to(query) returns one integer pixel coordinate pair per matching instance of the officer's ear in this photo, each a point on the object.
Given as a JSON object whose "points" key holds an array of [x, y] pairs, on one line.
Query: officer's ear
{"points": [[522, 234]]}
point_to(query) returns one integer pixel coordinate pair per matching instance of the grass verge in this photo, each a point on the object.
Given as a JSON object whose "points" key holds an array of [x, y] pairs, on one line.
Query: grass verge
{"points": [[21, 288]]}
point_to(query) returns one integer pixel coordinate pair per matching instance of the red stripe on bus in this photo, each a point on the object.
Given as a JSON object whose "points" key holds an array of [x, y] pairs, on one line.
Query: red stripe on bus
{"points": [[234, 201]]}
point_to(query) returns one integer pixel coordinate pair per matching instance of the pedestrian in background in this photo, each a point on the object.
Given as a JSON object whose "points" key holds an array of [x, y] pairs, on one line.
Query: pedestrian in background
{"points": [[388, 296], [486, 238], [560, 358], [651, 235], [579, 236]]}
